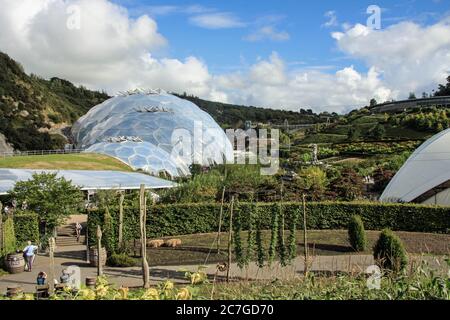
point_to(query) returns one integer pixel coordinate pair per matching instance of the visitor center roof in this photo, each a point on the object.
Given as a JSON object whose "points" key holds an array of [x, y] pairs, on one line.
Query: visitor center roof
{"points": [[427, 168], [87, 179]]}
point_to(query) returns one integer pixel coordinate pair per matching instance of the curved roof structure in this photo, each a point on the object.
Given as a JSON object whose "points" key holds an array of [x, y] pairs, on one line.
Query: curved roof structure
{"points": [[87, 179], [426, 170], [153, 131]]}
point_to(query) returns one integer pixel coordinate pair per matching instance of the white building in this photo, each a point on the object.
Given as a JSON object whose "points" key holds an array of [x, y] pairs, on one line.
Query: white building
{"points": [[425, 177]]}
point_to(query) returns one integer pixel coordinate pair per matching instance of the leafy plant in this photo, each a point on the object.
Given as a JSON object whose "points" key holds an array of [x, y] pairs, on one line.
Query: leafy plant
{"points": [[237, 241], [281, 247], [52, 198], [121, 260], [274, 236], [357, 234], [389, 252], [260, 251], [292, 241]]}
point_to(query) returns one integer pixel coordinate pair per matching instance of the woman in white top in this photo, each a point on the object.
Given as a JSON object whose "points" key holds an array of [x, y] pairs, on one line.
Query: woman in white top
{"points": [[29, 253]]}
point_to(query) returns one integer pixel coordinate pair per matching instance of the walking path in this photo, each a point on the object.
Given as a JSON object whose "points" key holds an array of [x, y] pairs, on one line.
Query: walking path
{"points": [[132, 277]]}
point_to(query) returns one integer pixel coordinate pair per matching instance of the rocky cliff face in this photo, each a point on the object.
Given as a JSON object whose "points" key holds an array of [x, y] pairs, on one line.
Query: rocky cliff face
{"points": [[4, 146]]}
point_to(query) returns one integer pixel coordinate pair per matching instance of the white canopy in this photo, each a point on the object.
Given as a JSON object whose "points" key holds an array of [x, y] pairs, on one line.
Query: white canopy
{"points": [[427, 168], [87, 179]]}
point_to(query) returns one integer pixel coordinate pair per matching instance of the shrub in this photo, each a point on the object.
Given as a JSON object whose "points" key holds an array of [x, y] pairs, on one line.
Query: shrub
{"points": [[26, 227], [179, 219], [389, 252], [9, 237], [121, 260], [357, 234]]}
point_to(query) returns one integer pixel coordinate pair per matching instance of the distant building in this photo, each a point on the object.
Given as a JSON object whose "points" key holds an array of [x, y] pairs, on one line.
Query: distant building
{"points": [[396, 106]]}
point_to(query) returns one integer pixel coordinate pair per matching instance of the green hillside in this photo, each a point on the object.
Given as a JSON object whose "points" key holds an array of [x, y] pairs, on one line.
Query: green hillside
{"points": [[232, 115], [33, 111]]}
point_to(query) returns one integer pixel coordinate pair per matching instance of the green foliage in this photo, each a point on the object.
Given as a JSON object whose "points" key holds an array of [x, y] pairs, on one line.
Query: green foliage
{"points": [[281, 246], [52, 198], [292, 241], [179, 219], [26, 227], [357, 234], [30, 103], [423, 283], [237, 241], [260, 250], [251, 236], [9, 237], [273, 236], [389, 252], [235, 115], [121, 260]]}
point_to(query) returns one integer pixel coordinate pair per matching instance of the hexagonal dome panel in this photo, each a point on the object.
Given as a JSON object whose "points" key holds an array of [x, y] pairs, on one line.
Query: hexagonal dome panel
{"points": [[153, 131]]}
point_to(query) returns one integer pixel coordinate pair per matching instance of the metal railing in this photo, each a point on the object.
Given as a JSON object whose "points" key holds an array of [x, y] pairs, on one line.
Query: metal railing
{"points": [[39, 152]]}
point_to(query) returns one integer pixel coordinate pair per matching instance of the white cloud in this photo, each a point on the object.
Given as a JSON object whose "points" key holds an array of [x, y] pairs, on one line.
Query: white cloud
{"points": [[410, 56], [267, 33], [110, 51], [114, 52], [217, 20], [267, 83]]}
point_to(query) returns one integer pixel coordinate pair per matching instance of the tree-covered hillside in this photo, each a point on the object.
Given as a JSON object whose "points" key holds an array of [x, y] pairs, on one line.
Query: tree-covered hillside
{"points": [[33, 109], [231, 115]]}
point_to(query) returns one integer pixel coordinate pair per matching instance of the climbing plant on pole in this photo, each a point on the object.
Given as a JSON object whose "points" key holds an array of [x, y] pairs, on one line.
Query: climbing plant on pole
{"points": [[273, 237], [292, 242], [281, 248], [251, 238], [260, 252], [238, 251]]}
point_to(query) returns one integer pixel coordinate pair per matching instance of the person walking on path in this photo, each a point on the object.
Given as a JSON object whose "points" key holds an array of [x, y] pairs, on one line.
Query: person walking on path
{"points": [[29, 253], [78, 229]]}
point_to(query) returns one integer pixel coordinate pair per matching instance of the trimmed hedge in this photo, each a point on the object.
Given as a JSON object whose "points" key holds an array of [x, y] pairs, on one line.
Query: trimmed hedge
{"points": [[179, 219], [26, 227]]}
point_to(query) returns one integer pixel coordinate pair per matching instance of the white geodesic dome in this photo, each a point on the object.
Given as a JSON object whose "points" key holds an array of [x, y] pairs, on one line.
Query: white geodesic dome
{"points": [[147, 130], [425, 177]]}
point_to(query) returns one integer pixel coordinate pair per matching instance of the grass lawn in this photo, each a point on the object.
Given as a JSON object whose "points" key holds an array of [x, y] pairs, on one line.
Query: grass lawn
{"points": [[196, 249], [82, 161]]}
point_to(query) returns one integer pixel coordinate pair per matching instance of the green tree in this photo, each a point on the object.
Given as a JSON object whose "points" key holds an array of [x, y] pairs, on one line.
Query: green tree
{"points": [[52, 198], [378, 132], [357, 234], [389, 252]]}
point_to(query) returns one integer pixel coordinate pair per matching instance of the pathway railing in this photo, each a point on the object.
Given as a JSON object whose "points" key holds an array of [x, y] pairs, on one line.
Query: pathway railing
{"points": [[39, 152]]}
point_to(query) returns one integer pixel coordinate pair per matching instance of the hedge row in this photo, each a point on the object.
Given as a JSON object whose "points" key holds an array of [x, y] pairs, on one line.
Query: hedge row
{"points": [[171, 220], [26, 227]]}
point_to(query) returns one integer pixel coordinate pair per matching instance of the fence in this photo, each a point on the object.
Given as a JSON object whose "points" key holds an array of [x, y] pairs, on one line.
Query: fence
{"points": [[39, 152]]}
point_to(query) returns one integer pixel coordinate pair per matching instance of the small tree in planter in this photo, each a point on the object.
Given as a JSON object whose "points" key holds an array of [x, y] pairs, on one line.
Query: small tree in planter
{"points": [[52, 198], [389, 252], [357, 234]]}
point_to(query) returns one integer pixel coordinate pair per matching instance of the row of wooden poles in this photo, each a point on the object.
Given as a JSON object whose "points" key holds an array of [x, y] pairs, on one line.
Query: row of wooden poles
{"points": [[143, 239]]}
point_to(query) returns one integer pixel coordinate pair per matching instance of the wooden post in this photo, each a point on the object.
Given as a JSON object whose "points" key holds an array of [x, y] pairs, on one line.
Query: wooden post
{"points": [[99, 250], [142, 222], [230, 238], [122, 198], [305, 238], [87, 244], [51, 278], [1, 229], [220, 221]]}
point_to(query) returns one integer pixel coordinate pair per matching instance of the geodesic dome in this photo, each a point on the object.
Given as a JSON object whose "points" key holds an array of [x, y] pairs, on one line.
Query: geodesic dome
{"points": [[425, 176], [153, 131]]}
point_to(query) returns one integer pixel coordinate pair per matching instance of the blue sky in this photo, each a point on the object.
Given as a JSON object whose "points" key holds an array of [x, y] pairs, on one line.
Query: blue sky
{"points": [[309, 43], [285, 54]]}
